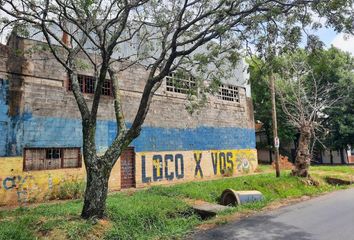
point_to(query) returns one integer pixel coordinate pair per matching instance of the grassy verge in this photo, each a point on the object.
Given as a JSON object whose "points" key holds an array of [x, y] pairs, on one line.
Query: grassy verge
{"points": [[155, 213]]}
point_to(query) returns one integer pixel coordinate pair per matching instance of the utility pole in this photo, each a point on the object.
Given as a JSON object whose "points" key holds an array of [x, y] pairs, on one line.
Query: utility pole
{"points": [[274, 123]]}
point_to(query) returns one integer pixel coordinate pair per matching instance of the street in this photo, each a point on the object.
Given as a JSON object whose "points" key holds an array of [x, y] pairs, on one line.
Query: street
{"points": [[326, 217]]}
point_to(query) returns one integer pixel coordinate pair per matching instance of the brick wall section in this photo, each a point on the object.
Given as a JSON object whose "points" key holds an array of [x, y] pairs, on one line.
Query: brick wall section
{"points": [[43, 113], [3, 59], [46, 95]]}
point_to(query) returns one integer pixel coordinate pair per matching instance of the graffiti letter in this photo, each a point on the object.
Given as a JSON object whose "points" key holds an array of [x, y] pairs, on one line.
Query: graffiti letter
{"points": [[214, 159], [143, 171], [168, 175], [229, 160], [157, 167], [179, 158], [11, 185], [198, 159], [222, 162]]}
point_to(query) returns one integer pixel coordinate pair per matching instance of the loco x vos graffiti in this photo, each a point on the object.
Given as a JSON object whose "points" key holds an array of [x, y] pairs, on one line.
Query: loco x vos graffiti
{"points": [[188, 165]]}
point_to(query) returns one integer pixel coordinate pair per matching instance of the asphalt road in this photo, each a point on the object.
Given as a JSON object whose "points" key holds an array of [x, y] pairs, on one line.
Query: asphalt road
{"points": [[327, 217]]}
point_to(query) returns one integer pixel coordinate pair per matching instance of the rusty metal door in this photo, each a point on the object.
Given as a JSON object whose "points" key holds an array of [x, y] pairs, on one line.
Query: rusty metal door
{"points": [[127, 169]]}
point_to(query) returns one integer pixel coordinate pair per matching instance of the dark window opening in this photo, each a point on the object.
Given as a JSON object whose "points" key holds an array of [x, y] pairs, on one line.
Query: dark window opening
{"points": [[87, 85], [228, 93], [51, 158], [52, 153]]}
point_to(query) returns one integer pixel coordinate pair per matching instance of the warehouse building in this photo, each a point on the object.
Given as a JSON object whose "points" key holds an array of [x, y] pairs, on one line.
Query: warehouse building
{"points": [[41, 136]]}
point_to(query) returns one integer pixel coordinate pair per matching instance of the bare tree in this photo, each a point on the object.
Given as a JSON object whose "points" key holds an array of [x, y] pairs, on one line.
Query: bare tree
{"points": [[166, 34], [303, 100]]}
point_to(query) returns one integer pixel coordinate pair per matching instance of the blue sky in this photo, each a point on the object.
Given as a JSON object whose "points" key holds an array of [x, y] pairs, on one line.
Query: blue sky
{"points": [[341, 41]]}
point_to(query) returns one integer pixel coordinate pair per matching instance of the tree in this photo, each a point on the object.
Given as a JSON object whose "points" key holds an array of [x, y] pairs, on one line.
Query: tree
{"points": [[262, 105], [165, 34], [304, 100], [336, 67], [274, 36]]}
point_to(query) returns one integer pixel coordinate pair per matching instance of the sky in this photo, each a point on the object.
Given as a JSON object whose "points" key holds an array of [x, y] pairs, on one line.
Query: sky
{"points": [[341, 41], [327, 35]]}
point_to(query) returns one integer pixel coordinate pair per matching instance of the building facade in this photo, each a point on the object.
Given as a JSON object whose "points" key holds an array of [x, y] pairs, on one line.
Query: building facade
{"points": [[41, 134]]}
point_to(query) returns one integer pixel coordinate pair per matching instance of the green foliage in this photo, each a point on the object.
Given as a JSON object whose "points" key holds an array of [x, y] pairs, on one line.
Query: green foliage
{"points": [[11, 230], [330, 67], [336, 67], [146, 215], [262, 103], [68, 190], [273, 188]]}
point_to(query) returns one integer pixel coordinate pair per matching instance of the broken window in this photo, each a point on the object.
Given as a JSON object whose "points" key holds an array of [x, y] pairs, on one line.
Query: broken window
{"points": [[228, 93], [51, 158], [87, 85]]}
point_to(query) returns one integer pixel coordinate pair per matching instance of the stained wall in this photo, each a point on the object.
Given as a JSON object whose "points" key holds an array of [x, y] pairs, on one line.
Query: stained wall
{"points": [[37, 110]]}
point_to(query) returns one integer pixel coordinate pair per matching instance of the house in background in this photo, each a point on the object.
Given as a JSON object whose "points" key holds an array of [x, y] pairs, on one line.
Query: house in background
{"points": [[334, 157], [41, 134], [264, 145], [265, 153]]}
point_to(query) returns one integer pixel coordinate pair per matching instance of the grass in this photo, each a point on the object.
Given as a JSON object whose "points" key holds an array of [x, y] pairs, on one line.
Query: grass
{"points": [[156, 213], [335, 169]]}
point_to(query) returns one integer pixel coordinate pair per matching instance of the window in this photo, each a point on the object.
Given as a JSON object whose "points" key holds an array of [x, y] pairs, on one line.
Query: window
{"points": [[228, 93], [51, 158], [180, 83], [87, 85], [52, 153]]}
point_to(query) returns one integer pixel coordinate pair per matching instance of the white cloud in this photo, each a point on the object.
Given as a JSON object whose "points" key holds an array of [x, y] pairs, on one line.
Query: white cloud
{"points": [[344, 42]]}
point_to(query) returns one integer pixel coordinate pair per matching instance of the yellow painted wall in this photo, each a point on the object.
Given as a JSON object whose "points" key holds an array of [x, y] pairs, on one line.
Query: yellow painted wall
{"points": [[151, 167], [20, 187]]}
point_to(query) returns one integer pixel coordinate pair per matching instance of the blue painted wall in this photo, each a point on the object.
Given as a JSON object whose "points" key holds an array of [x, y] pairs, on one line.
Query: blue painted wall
{"points": [[27, 130], [50, 132], [4, 119]]}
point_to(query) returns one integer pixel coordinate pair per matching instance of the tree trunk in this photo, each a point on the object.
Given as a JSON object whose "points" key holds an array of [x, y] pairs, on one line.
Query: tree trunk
{"points": [[96, 192], [303, 156]]}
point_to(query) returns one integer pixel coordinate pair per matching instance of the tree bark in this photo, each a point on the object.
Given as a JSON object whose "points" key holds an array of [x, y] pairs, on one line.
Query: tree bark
{"points": [[96, 192], [303, 156], [98, 170]]}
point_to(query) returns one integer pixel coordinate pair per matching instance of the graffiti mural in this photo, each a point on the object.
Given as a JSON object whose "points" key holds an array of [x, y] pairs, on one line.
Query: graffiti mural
{"points": [[195, 164], [168, 166], [21, 187], [198, 169], [26, 187], [229, 162]]}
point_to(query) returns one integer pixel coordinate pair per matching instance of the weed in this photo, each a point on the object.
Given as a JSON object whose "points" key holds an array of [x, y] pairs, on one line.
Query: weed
{"points": [[156, 213], [68, 190]]}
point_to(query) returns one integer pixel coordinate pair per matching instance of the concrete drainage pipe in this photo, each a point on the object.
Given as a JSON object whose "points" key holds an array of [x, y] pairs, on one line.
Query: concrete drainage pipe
{"points": [[230, 197]]}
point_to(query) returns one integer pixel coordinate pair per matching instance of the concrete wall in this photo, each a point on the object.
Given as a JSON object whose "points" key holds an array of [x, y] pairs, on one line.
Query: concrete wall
{"points": [[44, 113], [18, 187], [173, 145], [165, 167], [336, 157], [4, 119]]}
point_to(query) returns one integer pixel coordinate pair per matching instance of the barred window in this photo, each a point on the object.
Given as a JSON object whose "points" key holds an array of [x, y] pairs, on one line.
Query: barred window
{"points": [[87, 85], [228, 93], [51, 158], [180, 83]]}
